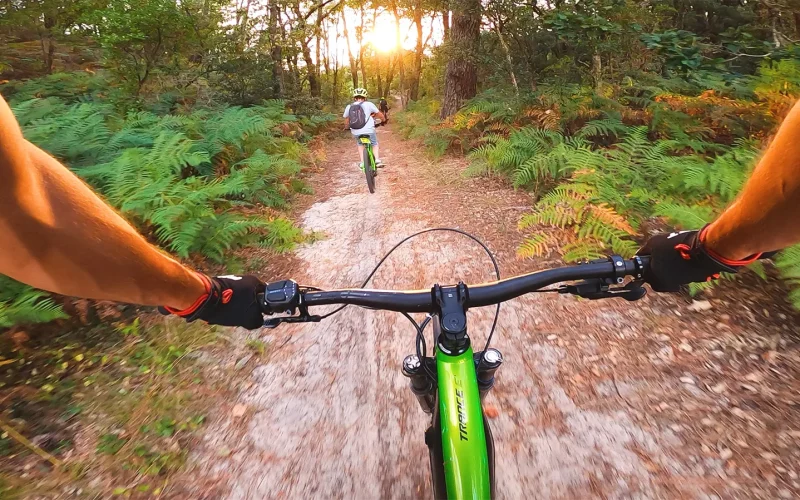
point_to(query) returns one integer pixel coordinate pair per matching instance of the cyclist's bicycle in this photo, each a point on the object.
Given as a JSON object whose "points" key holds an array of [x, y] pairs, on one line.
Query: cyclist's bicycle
{"points": [[451, 383], [368, 160]]}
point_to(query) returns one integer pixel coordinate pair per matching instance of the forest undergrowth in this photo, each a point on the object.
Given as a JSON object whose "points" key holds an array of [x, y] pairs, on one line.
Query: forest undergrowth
{"points": [[101, 399], [608, 168]]}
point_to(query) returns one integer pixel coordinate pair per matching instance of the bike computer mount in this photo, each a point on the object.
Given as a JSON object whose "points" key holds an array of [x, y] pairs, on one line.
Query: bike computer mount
{"points": [[452, 318], [285, 296], [601, 288]]}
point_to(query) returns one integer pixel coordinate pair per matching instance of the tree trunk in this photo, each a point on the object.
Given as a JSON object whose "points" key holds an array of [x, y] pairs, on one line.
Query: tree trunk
{"points": [[275, 51], [295, 73], [317, 36], [353, 62], [796, 16], [597, 72], [311, 69], [461, 77], [446, 24], [778, 38], [326, 60], [335, 91], [242, 17], [389, 77], [413, 88], [379, 77], [507, 53], [48, 45], [360, 39], [400, 60]]}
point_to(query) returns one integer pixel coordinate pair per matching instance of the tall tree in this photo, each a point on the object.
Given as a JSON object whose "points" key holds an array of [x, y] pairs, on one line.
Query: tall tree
{"points": [[305, 35], [153, 35], [276, 49], [494, 13], [51, 20], [413, 87], [400, 54], [353, 61], [362, 46], [461, 74]]}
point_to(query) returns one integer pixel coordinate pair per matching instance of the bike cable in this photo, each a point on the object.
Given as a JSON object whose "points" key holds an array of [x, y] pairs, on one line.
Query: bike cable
{"points": [[417, 326]]}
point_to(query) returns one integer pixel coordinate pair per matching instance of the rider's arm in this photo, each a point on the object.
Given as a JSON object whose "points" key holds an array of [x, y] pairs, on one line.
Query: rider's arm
{"points": [[59, 236], [766, 216]]}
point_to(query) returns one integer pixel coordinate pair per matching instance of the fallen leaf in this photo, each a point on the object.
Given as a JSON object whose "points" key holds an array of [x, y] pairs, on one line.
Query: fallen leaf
{"points": [[699, 306], [490, 411], [754, 377], [770, 356], [766, 455], [19, 338], [720, 388], [738, 412], [238, 411]]}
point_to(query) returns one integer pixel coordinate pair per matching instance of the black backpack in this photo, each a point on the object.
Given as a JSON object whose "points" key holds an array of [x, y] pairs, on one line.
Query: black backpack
{"points": [[358, 119]]}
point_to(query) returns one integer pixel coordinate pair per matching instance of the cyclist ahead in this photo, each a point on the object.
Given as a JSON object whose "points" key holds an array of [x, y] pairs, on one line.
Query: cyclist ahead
{"points": [[359, 119], [60, 236], [384, 106]]}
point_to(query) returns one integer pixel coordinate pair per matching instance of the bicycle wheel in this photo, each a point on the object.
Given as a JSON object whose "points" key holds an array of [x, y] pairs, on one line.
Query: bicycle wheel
{"points": [[369, 168]]}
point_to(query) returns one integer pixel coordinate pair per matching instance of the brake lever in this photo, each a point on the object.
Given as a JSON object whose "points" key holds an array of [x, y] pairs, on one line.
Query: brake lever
{"points": [[599, 289], [307, 318]]}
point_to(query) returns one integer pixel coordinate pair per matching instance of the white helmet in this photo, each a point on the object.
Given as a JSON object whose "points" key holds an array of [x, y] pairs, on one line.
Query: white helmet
{"points": [[359, 92]]}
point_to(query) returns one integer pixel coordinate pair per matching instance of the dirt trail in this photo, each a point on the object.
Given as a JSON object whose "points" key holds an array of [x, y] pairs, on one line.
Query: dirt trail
{"points": [[596, 399]]}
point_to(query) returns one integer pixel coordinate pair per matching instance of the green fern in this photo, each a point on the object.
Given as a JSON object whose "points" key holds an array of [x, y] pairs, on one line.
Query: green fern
{"points": [[684, 216], [583, 250], [616, 239], [21, 304], [609, 127], [724, 176], [536, 245], [788, 262]]}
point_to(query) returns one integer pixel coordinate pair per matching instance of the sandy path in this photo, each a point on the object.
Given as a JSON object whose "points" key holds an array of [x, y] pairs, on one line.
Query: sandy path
{"points": [[587, 406]]}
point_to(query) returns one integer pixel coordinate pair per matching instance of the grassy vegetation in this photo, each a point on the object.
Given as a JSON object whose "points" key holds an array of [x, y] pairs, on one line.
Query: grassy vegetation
{"points": [[123, 403]]}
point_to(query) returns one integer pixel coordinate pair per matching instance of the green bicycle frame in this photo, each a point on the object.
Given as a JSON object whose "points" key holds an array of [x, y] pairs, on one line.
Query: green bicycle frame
{"points": [[466, 461], [368, 144]]}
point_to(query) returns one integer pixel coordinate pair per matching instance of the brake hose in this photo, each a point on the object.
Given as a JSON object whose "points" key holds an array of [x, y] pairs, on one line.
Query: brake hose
{"points": [[417, 326]]}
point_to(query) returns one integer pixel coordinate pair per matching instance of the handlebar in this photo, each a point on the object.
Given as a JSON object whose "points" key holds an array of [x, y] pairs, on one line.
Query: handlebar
{"points": [[285, 296]]}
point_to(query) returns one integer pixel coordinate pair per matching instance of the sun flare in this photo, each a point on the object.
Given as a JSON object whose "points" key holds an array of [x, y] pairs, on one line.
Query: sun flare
{"points": [[383, 36]]}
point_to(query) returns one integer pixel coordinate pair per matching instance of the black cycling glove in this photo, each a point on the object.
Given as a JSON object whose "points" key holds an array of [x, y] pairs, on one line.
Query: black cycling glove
{"points": [[681, 258], [228, 301]]}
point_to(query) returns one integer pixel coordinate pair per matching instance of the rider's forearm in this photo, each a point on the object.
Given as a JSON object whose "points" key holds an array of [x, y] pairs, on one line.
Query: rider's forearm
{"points": [[766, 216], [59, 236]]}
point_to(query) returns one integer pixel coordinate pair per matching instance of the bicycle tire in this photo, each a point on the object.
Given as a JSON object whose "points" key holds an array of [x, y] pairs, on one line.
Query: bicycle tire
{"points": [[369, 169]]}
